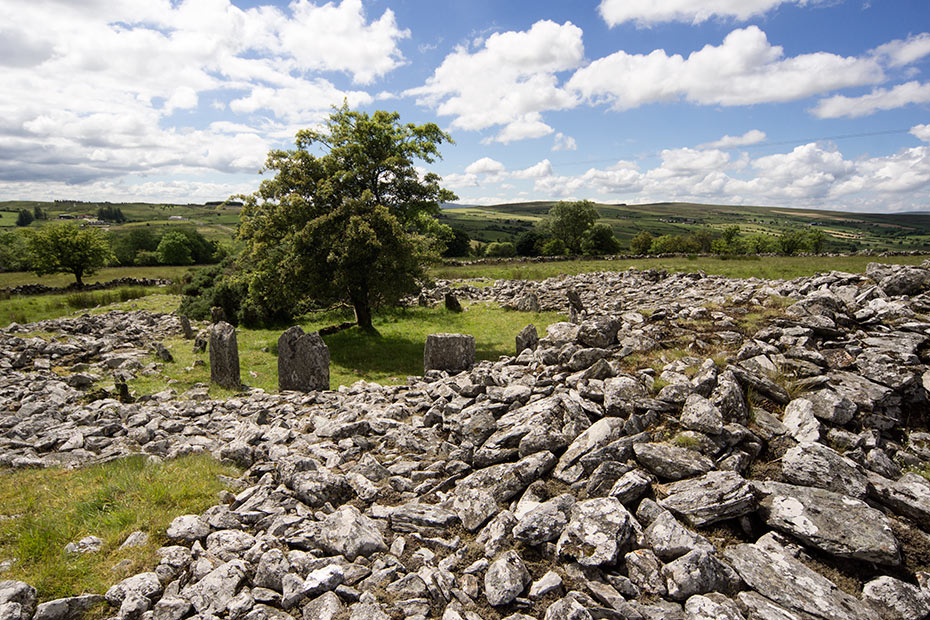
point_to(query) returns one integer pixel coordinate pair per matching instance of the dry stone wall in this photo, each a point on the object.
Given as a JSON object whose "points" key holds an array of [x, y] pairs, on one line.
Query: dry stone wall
{"points": [[697, 447]]}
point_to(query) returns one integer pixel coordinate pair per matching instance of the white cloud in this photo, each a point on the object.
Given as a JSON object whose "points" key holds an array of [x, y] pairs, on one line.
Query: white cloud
{"points": [[90, 90], [921, 132], [536, 171], [879, 99], [508, 82], [564, 143], [338, 38], [745, 69], [753, 136], [649, 12], [485, 165], [902, 52]]}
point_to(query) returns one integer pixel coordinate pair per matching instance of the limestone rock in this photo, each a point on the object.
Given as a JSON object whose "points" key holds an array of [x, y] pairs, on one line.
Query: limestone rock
{"points": [[450, 352], [224, 356], [303, 361]]}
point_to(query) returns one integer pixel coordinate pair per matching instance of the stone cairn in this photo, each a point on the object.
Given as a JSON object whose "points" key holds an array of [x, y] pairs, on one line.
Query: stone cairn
{"points": [[303, 361], [224, 356], [673, 456]]}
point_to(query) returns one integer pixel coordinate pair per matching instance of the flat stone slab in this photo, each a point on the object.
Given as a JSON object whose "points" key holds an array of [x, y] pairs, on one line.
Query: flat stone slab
{"points": [[816, 465], [834, 523], [671, 462], [449, 352], [769, 570], [908, 496], [716, 496]]}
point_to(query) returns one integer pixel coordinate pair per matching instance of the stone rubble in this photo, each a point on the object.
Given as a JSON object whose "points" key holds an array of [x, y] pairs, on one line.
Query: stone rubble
{"points": [[695, 447]]}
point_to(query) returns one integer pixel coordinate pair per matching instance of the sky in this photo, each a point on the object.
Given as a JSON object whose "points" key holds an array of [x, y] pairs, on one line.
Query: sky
{"points": [[791, 103]]}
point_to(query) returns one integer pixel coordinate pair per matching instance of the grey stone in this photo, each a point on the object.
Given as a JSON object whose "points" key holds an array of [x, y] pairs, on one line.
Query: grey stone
{"points": [[698, 572], [700, 414], [271, 569], [527, 339], [712, 607], [187, 528], [144, 584], [327, 606], [19, 593], [545, 522], [452, 303], [908, 496], [303, 361], [772, 572], [349, 533], [816, 465], [669, 539], [598, 435], [506, 578], [716, 496], [644, 569], [224, 356], [834, 523], [620, 393], [830, 406], [71, 608], [800, 421], [450, 352], [598, 531], [671, 462], [213, 593], [894, 599]]}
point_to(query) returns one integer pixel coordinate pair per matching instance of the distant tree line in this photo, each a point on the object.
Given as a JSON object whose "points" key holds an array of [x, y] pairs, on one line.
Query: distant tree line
{"points": [[67, 247], [730, 242]]}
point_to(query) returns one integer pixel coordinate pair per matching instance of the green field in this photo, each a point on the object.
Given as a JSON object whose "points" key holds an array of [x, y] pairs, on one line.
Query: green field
{"points": [[845, 231], [504, 222]]}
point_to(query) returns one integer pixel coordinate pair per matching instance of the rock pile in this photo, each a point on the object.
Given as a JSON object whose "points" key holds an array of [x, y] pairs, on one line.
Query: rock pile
{"points": [[696, 447]]}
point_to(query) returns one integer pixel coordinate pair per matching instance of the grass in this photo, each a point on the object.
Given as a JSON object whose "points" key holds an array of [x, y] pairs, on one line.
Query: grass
{"points": [[44, 510], [389, 357], [16, 278], [31, 308], [769, 267]]}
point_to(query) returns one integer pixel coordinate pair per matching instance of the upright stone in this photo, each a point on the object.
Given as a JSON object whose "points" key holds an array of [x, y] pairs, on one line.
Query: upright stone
{"points": [[303, 361], [186, 328], [528, 338], [224, 356], [452, 303], [451, 352]]}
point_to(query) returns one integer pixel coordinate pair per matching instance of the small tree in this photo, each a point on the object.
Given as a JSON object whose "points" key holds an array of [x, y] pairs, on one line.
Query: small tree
{"points": [[600, 240], [65, 248], [174, 249], [349, 225], [641, 243], [816, 239], [528, 243], [500, 249], [569, 221], [459, 245], [24, 218]]}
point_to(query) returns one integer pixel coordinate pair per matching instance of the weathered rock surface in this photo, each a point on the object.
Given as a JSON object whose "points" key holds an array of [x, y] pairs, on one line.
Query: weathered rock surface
{"points": [[574, 480], [303, 361]]}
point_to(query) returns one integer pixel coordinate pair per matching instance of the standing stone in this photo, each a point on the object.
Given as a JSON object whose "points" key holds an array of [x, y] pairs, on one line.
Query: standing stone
{"points": [[528, 338], [528, 303], [303, 361], [186, 328], [451, 352], [217, 314], [452, 304], [224, 356]]}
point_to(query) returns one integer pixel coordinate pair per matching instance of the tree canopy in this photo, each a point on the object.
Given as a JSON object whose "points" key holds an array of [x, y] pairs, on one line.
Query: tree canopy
{"points": [[569, 221], [353, 224], [66, 248]]}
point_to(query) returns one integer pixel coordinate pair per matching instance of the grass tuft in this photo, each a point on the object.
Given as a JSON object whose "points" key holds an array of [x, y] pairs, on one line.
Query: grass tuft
{"points": [[41, 511]]}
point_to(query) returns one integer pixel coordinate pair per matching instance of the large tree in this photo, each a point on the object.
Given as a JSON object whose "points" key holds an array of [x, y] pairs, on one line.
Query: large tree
{"points": [[66, 248], [353, 223], [569, 221]]}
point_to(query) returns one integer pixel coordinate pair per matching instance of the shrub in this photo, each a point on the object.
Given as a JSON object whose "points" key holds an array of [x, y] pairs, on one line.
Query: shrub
{"points": [[503, 249]]}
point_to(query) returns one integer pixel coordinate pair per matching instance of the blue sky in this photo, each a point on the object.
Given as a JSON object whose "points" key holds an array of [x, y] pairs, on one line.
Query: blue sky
{"points": [[796, 103]]}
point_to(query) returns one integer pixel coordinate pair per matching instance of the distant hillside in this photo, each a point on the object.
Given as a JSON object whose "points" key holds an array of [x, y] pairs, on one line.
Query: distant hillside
{"points": [[845, 231], [504, 222]]}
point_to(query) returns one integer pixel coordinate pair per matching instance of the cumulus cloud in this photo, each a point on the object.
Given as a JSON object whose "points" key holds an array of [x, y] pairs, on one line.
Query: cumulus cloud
{"points": [[485, 165], [509, 82], [650, 12], [902, 52], [745, 69], [899, 96], [753, 136], [564, 143], [97, 90], [921, 132]]}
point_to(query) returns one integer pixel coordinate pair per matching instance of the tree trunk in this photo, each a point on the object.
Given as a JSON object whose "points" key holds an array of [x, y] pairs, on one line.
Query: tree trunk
{"points": [[78, 275], [362, 307]]}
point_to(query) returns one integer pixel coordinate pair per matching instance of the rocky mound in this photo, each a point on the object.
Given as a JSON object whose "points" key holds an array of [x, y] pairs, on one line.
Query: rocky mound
{"points": [[693, 447]]}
